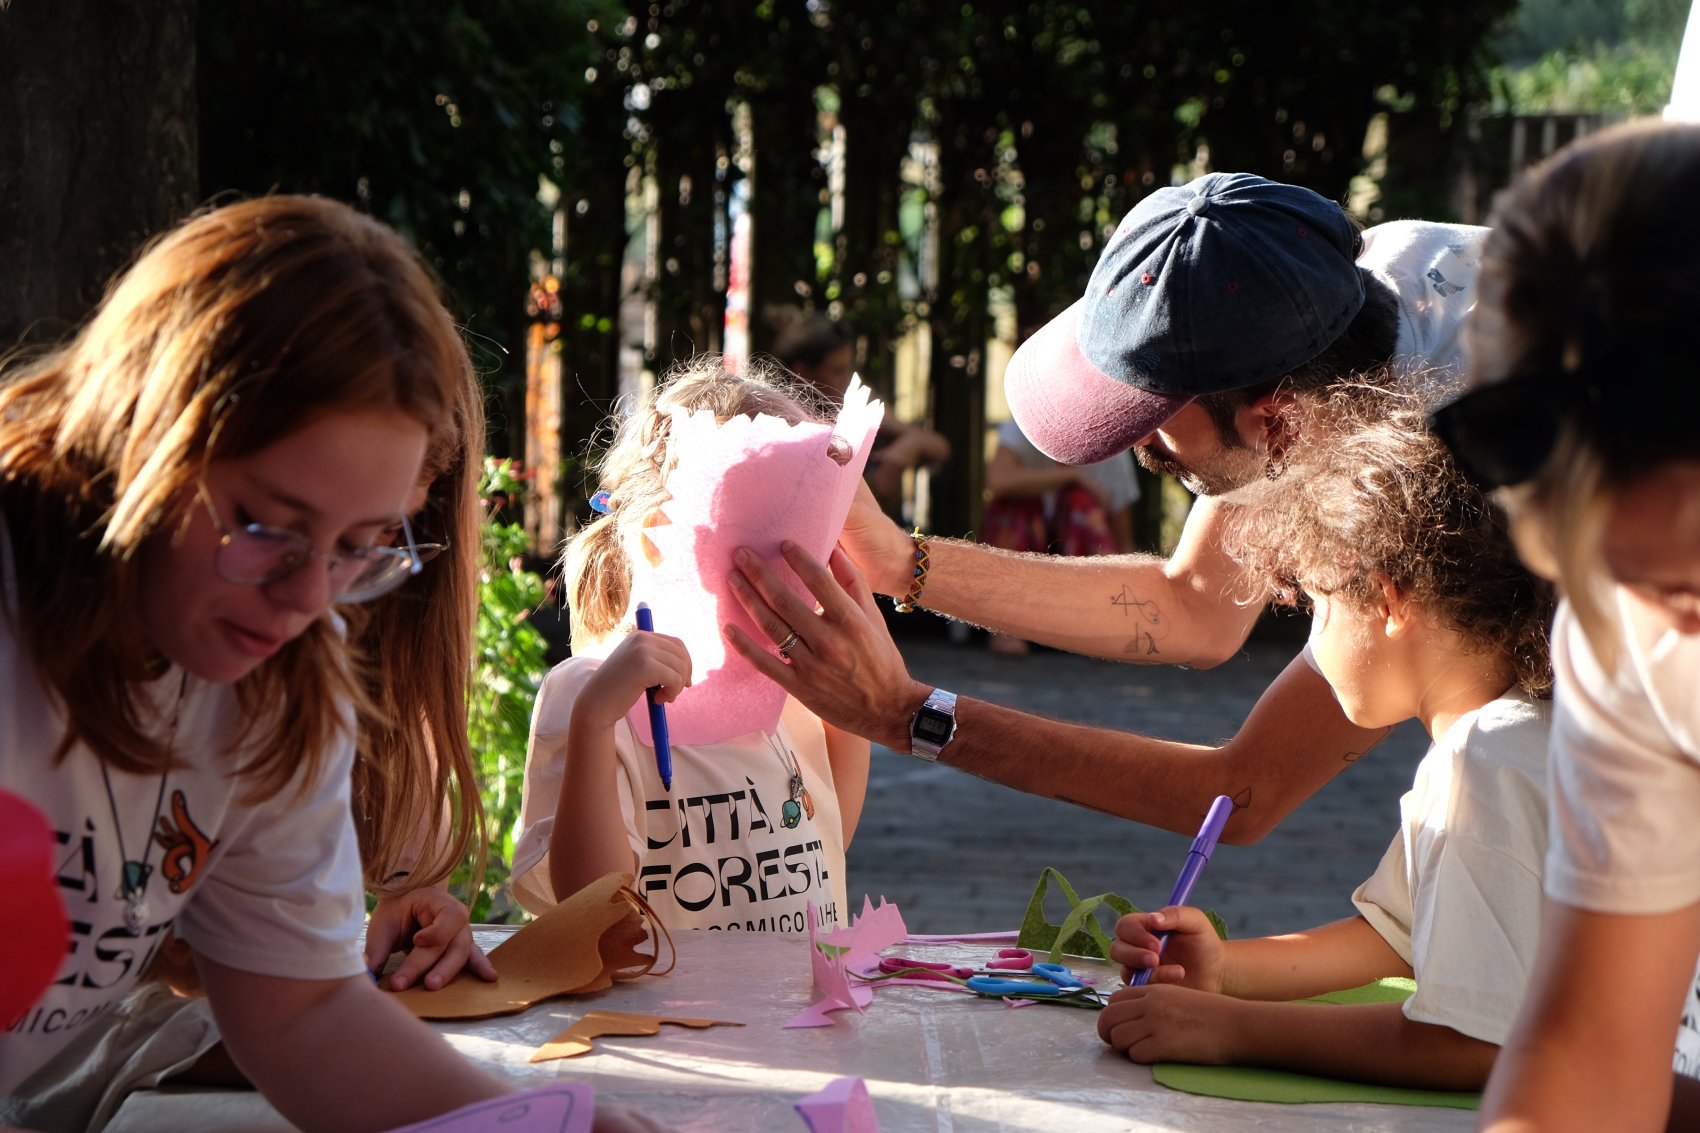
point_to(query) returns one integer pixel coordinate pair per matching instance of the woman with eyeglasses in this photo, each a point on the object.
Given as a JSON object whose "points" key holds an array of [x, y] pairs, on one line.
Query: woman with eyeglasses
{"points": [[1586, 416], [186, 490]]}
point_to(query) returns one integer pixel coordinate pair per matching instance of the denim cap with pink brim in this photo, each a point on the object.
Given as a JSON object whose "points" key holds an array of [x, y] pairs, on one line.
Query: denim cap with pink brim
{"points": [[1226, 282]]}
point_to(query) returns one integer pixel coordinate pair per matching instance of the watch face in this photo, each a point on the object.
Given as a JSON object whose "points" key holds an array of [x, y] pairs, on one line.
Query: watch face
{"points": [[932, 727]]}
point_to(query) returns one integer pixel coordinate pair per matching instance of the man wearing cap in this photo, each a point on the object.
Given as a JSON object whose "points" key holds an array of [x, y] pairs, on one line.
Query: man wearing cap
{"points": [[1217, 313]]}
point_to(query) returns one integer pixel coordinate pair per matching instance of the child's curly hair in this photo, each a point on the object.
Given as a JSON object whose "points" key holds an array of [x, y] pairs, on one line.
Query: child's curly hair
{"points": [[1377, 495], [634, 468]]}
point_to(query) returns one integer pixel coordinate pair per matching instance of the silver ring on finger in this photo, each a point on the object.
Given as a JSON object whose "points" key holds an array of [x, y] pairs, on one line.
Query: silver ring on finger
{"points": [[790, 643]]}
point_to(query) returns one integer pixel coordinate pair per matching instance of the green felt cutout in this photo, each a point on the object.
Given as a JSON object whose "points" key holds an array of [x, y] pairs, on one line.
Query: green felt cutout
{"points": [[1255, 1084], [1081, 932]]}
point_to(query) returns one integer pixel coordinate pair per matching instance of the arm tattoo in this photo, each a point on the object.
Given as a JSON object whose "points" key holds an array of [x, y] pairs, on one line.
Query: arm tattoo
{"points": [[1144, 607], [1142, 645]]}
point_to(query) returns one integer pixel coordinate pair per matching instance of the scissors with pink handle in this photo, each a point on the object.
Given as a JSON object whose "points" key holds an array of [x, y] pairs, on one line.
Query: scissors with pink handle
{"points": [[1012, 959], [923, 969]]}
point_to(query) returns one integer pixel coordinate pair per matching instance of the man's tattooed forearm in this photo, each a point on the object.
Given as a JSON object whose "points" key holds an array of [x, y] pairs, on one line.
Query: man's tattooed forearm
{"points": [[1144, 608]]}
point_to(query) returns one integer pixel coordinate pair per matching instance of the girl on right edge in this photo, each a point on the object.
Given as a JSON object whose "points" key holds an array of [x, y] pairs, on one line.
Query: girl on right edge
{"points": [[1587, 416], [1419, 609]]}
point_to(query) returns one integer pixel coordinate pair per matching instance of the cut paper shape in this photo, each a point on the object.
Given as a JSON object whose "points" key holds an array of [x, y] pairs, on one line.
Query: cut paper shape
{"points": [[1256, 1084], [841, 1106], [551, 1109], [1081, 933], [829, 957], [870, 933], [32, 950], [581, 945], [750, 482], [579, 1038]]}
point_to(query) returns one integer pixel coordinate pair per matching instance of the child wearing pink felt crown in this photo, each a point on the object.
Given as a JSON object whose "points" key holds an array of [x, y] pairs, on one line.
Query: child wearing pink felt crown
{"points": [[764, 796]]}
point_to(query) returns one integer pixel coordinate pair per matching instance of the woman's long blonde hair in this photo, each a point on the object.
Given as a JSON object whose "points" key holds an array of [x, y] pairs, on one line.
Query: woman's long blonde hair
{"points": [[633, 471], [1594, 261], [234, 330], [416, 787]]}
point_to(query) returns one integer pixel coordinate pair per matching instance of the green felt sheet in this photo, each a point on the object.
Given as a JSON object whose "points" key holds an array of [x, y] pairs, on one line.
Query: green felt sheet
{"points": [[1253, 1084]]}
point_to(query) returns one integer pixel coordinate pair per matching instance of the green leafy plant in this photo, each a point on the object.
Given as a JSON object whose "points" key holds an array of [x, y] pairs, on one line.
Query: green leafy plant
{"points": [[508, 669]]}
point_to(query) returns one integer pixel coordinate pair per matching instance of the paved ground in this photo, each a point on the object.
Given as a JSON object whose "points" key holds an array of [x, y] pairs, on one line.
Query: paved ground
{"points": [[959, 854]]}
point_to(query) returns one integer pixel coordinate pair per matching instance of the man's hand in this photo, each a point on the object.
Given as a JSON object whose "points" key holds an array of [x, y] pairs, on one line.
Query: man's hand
{"points": [[843, 666], [878, 547]]}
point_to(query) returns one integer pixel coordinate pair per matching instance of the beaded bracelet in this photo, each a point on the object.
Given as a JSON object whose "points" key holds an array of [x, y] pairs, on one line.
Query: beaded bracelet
{"points": [[906, 605]]}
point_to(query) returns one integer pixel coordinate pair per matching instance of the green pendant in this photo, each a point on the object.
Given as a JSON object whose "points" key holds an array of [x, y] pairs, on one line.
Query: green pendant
{"points": [[790, 814], [136, 876]]}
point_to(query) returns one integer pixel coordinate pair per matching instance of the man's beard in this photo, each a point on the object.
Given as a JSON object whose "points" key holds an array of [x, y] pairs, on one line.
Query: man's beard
{"points": [[1233, 468]]}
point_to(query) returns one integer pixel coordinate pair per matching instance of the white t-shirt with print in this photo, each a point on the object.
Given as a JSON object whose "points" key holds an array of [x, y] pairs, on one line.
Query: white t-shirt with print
{"points": [[715, 851], [1626, 779], [1458, 893], [272, 887]]}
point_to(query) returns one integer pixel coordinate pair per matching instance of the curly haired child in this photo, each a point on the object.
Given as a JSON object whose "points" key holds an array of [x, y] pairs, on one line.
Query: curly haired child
{"points": [[1420, 609]]}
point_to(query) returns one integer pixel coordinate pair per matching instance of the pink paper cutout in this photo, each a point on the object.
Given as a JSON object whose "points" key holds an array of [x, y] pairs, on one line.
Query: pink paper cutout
{"points": [[865, 936], [564, 1108], [841, 1106], [752, 482], [870, 933]]}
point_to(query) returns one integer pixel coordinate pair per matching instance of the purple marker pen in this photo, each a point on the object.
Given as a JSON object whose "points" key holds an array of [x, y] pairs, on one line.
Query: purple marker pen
{"points": [[1202, 847]]}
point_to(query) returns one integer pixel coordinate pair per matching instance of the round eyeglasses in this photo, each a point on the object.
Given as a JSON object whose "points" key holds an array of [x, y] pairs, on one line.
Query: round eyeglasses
{"points": [[255, 555]]}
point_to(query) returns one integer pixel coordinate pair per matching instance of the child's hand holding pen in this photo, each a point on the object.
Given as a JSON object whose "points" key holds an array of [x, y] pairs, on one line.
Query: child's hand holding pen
{"points": [[641, 662], [1193, 956]]}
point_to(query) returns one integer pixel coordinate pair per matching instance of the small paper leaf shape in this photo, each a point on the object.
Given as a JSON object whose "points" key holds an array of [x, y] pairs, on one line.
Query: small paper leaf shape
{"points": [[578, 1038]]}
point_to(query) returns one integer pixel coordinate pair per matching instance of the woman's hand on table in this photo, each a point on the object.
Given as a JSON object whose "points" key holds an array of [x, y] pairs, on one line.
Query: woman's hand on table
{"points": [[436, 931], [842, 665]]}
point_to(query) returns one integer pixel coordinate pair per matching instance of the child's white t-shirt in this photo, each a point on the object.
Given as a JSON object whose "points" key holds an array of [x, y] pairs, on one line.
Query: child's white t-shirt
{"points": [[1626, 778], [1458, 893], [714, 852], [272, 887]]}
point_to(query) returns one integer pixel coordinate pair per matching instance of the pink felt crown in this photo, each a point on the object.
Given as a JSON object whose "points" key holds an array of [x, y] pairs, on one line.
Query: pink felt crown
{"points": [[750, 482]]}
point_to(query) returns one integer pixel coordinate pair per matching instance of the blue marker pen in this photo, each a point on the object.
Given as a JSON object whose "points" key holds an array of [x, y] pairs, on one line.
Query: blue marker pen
{"points": [[657, 713], [1202, 847]]}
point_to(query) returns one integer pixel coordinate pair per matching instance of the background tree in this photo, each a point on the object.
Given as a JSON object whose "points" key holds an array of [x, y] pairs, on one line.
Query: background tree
{"points": [[687, 73], [439, 120], [875, 67], [97, 150], [780, 67]]}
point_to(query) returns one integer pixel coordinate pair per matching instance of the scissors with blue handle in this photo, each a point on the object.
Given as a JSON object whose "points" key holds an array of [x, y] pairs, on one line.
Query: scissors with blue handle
{"points": [[1044, 980]]}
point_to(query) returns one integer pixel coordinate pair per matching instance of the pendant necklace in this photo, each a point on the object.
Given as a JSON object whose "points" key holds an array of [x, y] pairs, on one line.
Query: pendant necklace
{"points": [[800, 800], [133, 887]]}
